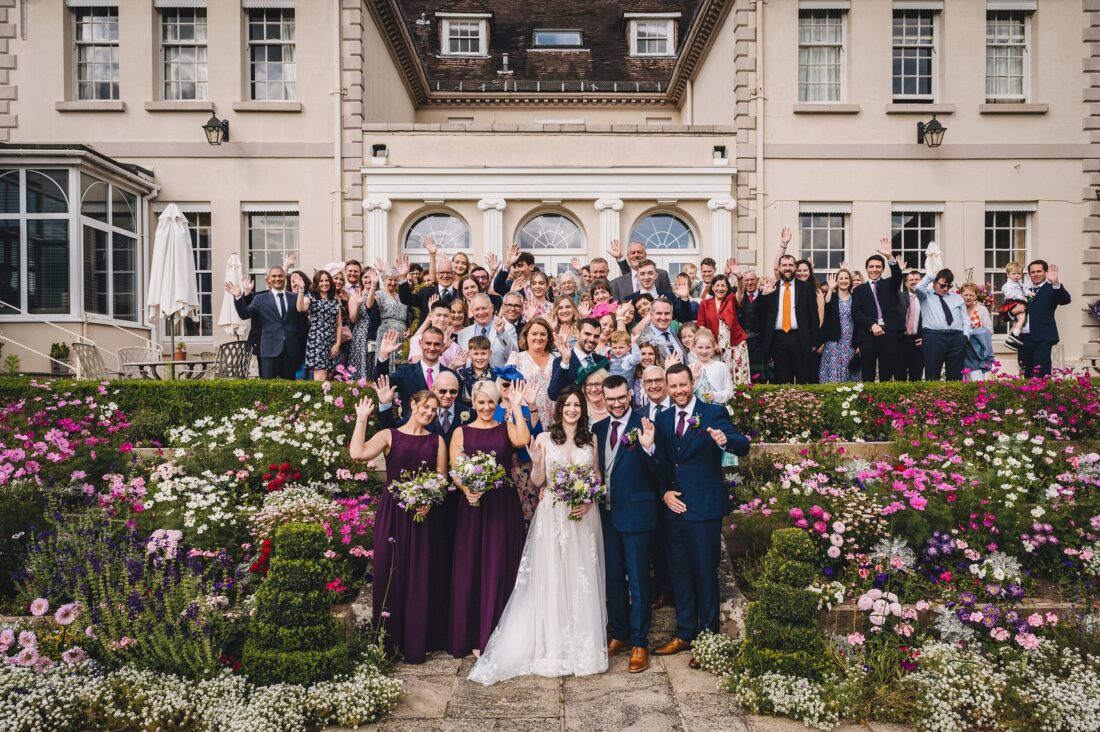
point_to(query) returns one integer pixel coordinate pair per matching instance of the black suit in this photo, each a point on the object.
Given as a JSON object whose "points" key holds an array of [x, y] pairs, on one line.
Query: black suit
{"points": [[424, 294], [746, 316], [792, 352], [1042, 335], [408, 378], [878, 354], [910, 362], [282, 339]]}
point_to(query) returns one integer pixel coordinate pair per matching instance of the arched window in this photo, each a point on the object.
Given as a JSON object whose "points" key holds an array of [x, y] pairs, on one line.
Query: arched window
{"points": [[449, 232], [551, 231], [661, 232]]}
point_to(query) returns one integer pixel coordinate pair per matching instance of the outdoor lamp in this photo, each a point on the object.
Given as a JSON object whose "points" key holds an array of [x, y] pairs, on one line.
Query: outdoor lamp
{"points": [[931, 133], [217, 130]]}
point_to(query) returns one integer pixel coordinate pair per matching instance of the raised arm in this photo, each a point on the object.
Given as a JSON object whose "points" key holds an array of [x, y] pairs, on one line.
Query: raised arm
{"points": [[361, 448], [518, 434], [784, 241]]}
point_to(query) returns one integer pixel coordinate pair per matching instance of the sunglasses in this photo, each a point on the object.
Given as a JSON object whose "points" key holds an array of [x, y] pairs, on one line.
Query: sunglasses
{"points": [[446, 391]]}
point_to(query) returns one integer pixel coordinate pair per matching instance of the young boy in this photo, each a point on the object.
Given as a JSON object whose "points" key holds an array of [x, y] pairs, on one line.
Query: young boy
{"points": [[625, 356], [1014, 307], [481, 350]]}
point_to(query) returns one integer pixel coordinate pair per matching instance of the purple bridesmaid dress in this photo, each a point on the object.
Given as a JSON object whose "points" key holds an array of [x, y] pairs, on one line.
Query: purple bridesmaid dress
{"points": [[489, 542], [411, 560]]}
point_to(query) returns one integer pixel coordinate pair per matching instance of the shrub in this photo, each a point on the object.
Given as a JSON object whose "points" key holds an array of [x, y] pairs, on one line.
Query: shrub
{"points": [[781, 633], [293, 637]]}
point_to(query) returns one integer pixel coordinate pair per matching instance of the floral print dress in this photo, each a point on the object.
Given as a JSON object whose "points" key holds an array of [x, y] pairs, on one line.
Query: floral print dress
{"points": [[322, 333]]}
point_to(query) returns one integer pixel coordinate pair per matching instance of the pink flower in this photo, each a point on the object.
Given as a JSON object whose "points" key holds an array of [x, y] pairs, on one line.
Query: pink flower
{"points": [[918, 502], [999, 634], [66, 614], [856, 639], [73, 656], [27, 639], [26, 657], [126, 447], [39, 607], [1035, 620], [1027, 641], [1052, 619]]}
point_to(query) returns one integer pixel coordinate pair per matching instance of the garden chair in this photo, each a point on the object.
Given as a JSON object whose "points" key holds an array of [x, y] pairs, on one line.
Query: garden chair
{"points": [[127, 357], [231, 362], [89, 364]]}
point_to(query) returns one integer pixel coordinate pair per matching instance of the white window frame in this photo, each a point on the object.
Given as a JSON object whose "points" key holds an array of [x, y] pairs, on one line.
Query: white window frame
{"points": [[934, 69], [842, 14], [276, 209], [203, 45], [553, 46], [116, 83], [112, 231], [419, 254], [290, 88], [547, 254], [995, 276], [806, 250], [914, 260], [670, 29], [1011, 99], [483, 37]]}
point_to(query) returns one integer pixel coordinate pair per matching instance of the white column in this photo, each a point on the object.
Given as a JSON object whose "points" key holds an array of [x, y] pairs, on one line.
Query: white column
{"points": [[492, 224], [721, 228], [378, 219], [609, 209]]}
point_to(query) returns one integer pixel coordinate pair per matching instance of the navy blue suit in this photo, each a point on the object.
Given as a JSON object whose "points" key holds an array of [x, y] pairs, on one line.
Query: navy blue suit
{"points": [[561, 378], [408, 378], [282, 340], [692, 465], [1042, 335], [630, 519]]}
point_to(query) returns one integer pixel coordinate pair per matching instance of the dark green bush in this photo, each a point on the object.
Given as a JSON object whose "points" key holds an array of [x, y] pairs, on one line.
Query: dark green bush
{"points": [[793, 544], [808, 664], [292, 637], [791, 604]]}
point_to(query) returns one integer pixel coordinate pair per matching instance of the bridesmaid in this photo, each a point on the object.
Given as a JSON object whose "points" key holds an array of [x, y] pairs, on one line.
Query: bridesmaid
{"points": [[489, 537], [411, 560]]}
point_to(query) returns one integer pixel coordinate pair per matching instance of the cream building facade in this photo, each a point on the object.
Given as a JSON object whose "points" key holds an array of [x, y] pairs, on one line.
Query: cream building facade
{"points": [[700, 126]]}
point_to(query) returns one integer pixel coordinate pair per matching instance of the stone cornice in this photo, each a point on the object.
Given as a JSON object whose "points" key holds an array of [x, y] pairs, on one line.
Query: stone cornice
{"points": [[392, 25], [699, 39]]}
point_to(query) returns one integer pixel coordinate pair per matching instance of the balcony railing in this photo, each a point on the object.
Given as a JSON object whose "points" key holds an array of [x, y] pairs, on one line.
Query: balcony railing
{"points": [[542, 86]]}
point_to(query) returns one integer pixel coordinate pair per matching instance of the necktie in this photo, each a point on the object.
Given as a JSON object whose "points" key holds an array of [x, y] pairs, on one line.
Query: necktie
{"points": [[946, 310], [282, 304], [786, 307], [484, 330], [445, 420], [874, 293], [614, 434], [911, 315], [654, 410], [682, 425], [430, 378], [752, 296]]}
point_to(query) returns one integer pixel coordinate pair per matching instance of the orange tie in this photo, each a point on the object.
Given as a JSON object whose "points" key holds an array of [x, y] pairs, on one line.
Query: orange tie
{"points": [[786, 307]]}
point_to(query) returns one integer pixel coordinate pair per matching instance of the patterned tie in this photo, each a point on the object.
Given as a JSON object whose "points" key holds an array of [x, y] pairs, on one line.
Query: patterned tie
{"points": [[484, 330], [445, 420], [614, 434], [589, 360], [786, 307], [682, 425], [430, 378]]}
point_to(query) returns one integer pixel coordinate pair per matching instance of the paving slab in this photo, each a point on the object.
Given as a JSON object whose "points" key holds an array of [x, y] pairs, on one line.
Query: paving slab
{"points": [[522, 698], [687, 680], [424, 697], [620, 702], [437, 663], [715, 723]]}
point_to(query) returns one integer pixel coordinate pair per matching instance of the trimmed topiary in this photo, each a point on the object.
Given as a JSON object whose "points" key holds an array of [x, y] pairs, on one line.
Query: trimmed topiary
{"points": [[781, 633], [292, 636]]}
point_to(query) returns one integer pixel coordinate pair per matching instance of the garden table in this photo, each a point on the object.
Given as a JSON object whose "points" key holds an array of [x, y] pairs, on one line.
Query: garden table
{"points": [[189, 369]]}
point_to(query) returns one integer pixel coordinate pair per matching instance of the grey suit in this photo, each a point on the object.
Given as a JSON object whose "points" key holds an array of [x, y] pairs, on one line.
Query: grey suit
{"points": [[623, 287], [504, 344]]}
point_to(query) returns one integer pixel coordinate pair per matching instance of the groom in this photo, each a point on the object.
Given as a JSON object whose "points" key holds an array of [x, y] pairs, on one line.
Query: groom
{"points": [[691, 437], [629, 518]]}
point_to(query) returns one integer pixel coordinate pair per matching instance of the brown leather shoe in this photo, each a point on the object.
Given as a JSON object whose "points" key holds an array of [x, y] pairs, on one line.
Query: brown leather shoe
{"points": [[614, 646], [639, 660], [675, 645], [694, 664]]}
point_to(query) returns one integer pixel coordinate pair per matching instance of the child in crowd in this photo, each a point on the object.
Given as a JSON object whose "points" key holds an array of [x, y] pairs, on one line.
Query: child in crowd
{"points": [[713, 382], [625, 356], [1014, 307], [688, 333], [481, 350]]}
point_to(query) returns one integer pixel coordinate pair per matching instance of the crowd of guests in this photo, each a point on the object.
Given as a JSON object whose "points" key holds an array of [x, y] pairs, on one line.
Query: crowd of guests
{"points": [[889, 322]]}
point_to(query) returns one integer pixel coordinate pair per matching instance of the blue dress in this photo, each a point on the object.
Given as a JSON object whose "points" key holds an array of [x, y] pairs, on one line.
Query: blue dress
{"points": [[839, 353]]}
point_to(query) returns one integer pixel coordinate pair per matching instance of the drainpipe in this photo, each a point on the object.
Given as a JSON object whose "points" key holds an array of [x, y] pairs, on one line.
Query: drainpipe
{"points": [[336, 224], [761, 230], [145, 202]]}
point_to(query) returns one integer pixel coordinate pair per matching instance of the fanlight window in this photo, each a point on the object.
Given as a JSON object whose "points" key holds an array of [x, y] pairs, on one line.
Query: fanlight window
{"points": [[447, 231], [663, 231], [551, 231]]}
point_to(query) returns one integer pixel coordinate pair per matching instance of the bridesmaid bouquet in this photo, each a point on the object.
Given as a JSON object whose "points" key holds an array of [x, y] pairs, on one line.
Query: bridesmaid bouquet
{"points": [[576, 485], [478, 473], [414, 490]]}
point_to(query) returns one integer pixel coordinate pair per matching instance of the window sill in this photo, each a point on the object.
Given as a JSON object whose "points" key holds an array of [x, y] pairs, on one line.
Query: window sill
{"points": [[112, 105], [267, 106], [1014, 108], [921, 108], [179, 106], [825, 108]]}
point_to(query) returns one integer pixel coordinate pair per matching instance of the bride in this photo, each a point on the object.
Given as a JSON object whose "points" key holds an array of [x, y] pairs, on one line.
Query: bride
{"points": [[555, 623]]}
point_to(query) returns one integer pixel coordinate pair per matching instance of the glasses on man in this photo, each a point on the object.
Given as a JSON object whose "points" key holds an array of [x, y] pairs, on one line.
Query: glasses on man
{"points": [[616, 399], [511, 305], [446, 391], [652, 382]]}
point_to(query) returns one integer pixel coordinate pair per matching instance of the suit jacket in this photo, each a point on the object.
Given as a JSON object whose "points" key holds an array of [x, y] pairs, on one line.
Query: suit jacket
{"points": [[632, 478], [864, 312], [693, 465], [424, 294], [1041, 323], [903, 308], [504, 344], [281, 335], [663, 281], [653, 335], [388, 419], [562, 377], [622, 287], [408, 378], [805, 311], [746, 314]]}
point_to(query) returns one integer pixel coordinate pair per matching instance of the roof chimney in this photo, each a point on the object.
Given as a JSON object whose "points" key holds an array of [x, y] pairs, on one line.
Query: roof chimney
{"points": [[504, 71]]}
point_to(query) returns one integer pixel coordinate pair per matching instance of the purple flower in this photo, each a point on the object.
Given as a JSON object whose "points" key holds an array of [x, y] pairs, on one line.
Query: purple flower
{"points": [[967, 598]]}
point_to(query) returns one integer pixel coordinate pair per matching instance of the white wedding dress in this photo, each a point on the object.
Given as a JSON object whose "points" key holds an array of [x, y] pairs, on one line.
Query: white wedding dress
{"points": [[555, 623]]}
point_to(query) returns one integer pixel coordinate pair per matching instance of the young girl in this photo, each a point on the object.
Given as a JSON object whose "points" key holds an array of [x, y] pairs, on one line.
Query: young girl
{"points": [[713, 382], [1014, 307], [687, 337]]}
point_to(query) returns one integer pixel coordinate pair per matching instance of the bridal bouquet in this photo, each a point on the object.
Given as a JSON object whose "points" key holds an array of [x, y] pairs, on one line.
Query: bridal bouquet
{"points": [[424, 487], [576, 485], [478, 473]]}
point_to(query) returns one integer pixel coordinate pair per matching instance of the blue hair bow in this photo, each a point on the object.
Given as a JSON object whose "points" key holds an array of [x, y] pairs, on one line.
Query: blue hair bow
{"points": [[508, 373]]}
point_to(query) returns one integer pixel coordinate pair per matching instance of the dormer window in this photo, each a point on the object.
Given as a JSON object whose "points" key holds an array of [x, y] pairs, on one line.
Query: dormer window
{"points": [[464, 34], [652, 34], [558, 39]]}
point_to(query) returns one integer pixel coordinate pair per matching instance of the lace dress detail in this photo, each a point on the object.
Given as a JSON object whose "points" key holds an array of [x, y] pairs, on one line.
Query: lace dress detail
{"points": [[555, 623]]}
